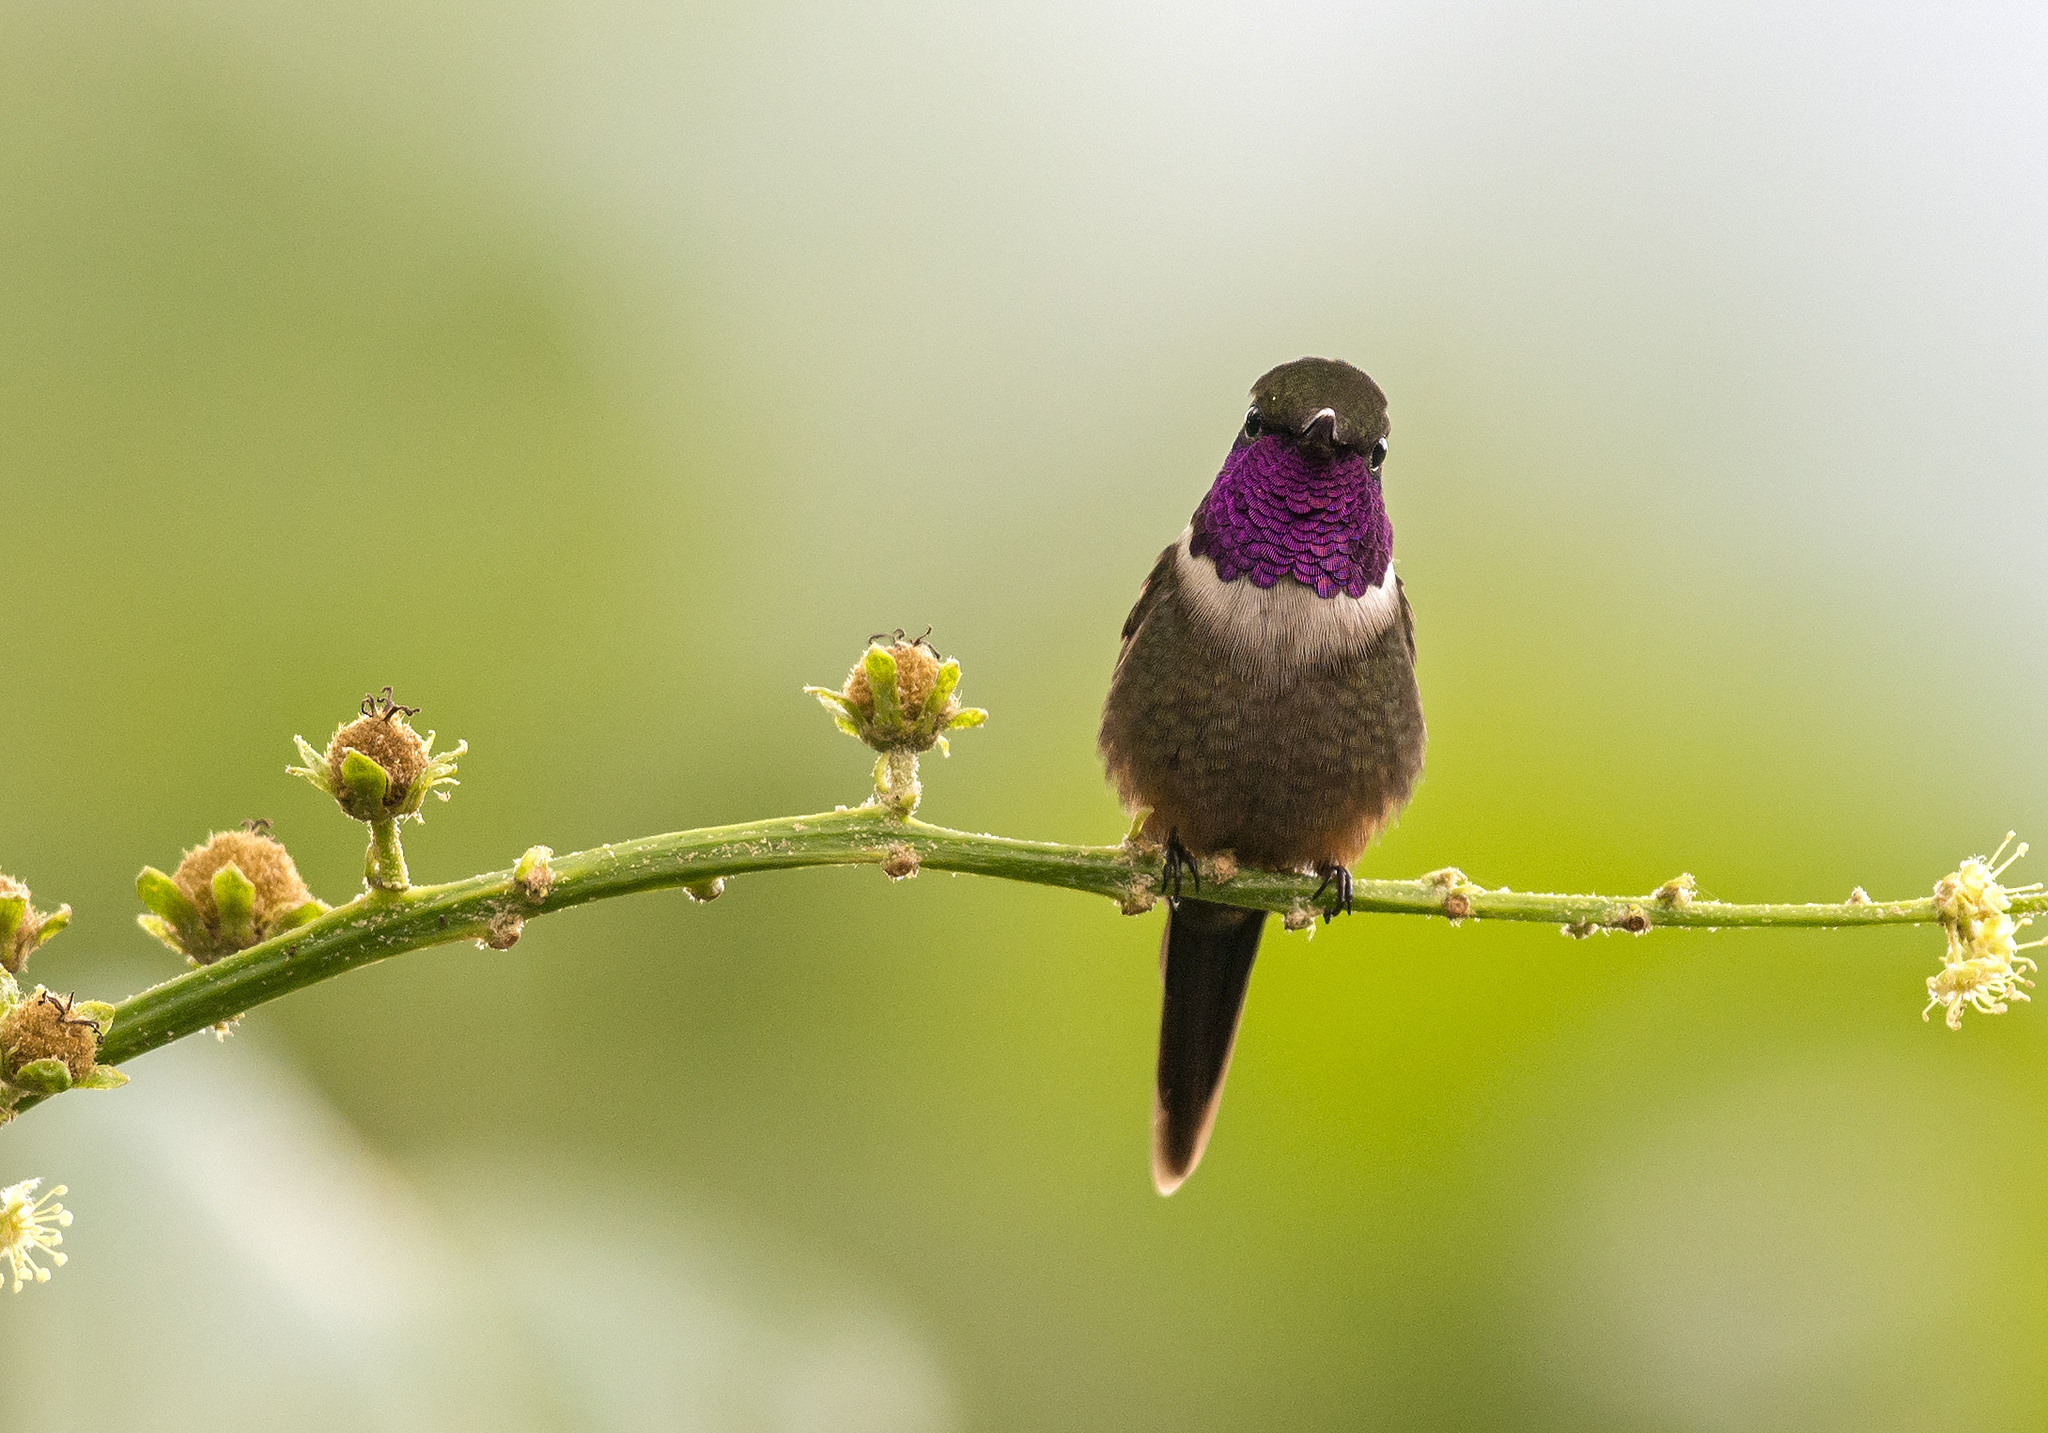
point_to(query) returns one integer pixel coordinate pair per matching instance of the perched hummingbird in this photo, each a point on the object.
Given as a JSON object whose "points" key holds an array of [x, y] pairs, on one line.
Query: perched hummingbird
{"points": [[1264, 704]]}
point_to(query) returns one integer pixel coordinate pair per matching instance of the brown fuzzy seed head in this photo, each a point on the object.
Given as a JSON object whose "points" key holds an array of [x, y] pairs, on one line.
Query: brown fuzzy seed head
{"points": [[917, 671], [267, 864], [39, 1029], [390, 743]]}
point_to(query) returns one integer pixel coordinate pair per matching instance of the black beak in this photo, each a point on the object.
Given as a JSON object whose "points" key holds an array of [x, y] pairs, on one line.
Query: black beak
{"points": [[1321, 432]]}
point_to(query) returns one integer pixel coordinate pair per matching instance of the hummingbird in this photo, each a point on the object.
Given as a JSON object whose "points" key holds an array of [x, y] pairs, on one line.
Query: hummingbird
{"points": [[1263, 706]]}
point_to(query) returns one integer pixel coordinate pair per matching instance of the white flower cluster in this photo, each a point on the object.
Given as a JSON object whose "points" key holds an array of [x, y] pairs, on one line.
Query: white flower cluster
{"points": [[1983, 968], [29, 1225]]}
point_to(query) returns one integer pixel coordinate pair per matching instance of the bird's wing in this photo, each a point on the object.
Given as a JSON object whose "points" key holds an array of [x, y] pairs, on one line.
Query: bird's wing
{"points": [[1156, 585], [1407, 618]]}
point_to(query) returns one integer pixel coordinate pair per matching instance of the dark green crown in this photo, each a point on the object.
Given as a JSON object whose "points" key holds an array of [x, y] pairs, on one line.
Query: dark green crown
{"points": [[1293, 394]]}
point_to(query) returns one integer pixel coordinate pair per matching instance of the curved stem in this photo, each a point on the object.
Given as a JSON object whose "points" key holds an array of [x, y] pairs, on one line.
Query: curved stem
{"points": [[383, 922]]}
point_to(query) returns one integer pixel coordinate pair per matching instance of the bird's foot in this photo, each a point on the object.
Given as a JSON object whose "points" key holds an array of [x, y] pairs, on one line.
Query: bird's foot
{"points": [[1340, 877], [1179, 862]]}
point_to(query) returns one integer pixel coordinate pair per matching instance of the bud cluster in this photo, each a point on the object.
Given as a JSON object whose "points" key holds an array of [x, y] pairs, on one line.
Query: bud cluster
{"points": [[234, 890], [900, 697], [899, 700], [49, 1044], [379, 771], [376, 767]]}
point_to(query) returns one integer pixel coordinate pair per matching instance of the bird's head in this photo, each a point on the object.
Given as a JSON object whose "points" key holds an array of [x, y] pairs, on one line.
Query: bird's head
{"points": [[1323, 406]]}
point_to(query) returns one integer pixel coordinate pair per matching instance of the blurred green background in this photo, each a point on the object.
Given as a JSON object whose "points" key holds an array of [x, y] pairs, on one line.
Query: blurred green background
{"points": [[599, 374]]}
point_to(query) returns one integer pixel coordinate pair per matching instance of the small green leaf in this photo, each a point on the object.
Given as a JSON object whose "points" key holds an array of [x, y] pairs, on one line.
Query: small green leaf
{"points": [[161, 894], [13, 911], [234, 904], [163, 930], [846, 726], [315, 769], [55, 921], [10, 993], [881, 670], [942, 687], [43, 1077], [364, 783], [103, 1077], [439, 772], [966, 717], [830, 700], [97, 1011]]}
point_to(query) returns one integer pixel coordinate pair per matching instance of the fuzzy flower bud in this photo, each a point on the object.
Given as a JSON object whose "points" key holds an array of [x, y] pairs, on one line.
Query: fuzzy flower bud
{"points": [[48, 1027], [22, 927], [899, 700], [1983, 967], [376, 767], [49, 1043], [236, 889]]}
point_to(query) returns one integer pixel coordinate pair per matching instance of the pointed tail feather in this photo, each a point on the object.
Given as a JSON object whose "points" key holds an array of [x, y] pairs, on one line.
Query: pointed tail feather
{"points": [[1207, 962]]}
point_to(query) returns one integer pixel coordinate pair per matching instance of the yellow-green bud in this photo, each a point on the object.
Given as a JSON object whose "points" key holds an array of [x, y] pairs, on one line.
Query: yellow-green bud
{"points": [[376, 767], [900, 698], [394, 746], [229, 893]]}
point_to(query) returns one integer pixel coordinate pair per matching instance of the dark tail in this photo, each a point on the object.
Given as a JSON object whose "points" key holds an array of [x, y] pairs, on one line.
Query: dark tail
{"points": [[1207, 962]]}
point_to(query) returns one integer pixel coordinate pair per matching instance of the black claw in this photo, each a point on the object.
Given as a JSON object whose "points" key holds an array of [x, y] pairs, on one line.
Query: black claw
{"points": [[1179, 863], [1340, 877]]}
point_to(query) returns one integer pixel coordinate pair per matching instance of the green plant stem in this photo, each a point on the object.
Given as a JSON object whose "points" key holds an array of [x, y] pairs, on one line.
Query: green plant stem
{"points": [[383, 923], [384, 862]]}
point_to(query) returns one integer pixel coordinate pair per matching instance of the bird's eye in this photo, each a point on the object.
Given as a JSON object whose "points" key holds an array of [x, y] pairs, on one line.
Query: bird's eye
{"points": [[1379, 454], [1252, 426]]}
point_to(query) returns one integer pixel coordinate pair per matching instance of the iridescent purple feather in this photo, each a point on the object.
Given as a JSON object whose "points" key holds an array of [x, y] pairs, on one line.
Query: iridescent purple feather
{"points": [[1276, 511]]}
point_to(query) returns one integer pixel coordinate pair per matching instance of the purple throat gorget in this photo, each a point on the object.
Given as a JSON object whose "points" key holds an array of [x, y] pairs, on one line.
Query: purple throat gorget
{"points": [[1276, 512]]}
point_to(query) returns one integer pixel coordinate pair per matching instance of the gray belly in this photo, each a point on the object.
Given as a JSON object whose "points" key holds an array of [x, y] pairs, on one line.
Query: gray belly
{"points": [[1284, 752]]}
